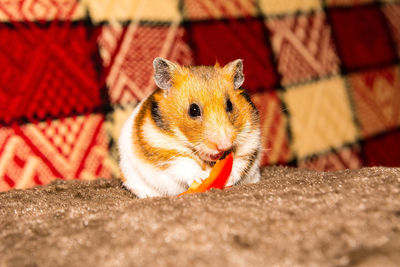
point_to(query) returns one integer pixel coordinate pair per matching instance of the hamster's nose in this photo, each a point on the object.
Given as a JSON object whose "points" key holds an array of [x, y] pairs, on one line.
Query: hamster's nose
{"points": [[220, 145], [223, 146], [221, 140]]}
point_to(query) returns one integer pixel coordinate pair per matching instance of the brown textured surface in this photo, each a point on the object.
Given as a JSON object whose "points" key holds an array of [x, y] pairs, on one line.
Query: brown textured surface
{"points": [[292, 217]]}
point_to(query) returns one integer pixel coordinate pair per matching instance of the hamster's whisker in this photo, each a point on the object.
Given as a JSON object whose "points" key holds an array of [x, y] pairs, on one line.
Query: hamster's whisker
{"points": [[160, 164]]}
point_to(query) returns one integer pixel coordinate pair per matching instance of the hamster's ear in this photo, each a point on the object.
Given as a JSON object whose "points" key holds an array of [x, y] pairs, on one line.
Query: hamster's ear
{"points": [[163, 71], [235, 68]]}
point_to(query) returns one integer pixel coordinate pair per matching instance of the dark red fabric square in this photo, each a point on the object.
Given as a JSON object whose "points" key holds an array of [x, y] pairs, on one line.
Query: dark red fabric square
{"points": [[362, 37], [49, 70], [227, 40], [383, 150]]}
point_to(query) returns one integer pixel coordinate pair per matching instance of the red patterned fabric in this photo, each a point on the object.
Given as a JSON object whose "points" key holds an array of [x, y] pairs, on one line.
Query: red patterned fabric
{"points": [[345, 158], [68, 148], [363, 37], [49, 71], [376, 97], [304, 47], [392, 13], [324, 75], [130, 61], [382, 150], [223, 41], [274, 137]]}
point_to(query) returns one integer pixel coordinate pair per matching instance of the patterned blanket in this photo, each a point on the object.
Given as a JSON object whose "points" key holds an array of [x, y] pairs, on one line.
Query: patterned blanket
{"points": [[325, 76]]}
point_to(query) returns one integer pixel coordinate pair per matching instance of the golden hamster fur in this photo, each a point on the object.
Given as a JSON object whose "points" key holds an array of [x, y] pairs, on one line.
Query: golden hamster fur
{"points": [[175, 135]]}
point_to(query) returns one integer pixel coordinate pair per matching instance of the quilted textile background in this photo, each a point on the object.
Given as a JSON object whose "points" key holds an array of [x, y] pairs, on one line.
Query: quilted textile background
{"points": [[325, 76]]}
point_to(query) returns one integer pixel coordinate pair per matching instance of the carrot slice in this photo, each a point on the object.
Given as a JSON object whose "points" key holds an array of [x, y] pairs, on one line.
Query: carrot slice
{"points": [[217, 179]]}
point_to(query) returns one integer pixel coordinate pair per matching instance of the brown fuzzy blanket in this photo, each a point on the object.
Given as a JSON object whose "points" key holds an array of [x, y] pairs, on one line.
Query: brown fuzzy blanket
{"points": [[292, 217]]}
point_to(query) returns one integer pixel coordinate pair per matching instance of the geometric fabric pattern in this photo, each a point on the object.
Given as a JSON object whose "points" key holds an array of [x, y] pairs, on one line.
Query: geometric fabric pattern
{"points": [[323, 74], [320, 116], [345, 158], [277, 7], [275, 139], [130, 65], [52, 78], [304, 47], [41, 10], [376, 96], [219, 9], [67, 148], [133, 10], [392, 13]]}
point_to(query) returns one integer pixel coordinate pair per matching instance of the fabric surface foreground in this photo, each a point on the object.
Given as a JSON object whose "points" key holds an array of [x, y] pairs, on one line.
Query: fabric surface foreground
{"points": [[292, 217]]}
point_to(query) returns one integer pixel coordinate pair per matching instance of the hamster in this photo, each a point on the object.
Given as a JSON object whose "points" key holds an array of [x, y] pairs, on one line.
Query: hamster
{"points": [[175, 135]]}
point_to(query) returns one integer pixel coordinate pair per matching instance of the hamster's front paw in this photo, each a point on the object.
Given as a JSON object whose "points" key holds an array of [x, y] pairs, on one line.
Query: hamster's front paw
{"points": [[198, 178], [229, 183]]}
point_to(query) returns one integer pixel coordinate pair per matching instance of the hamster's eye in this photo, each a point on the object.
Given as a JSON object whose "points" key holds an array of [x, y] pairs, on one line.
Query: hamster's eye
{"points": [[229, 106], [194, 111]]}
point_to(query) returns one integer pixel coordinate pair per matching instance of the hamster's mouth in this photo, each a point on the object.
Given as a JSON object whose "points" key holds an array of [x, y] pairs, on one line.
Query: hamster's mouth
{"points": [[213, 157], [210, 157], [216, 157]]}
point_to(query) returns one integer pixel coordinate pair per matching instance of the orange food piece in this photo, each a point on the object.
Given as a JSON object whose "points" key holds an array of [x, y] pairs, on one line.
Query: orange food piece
{"points": [[217, 179]]}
